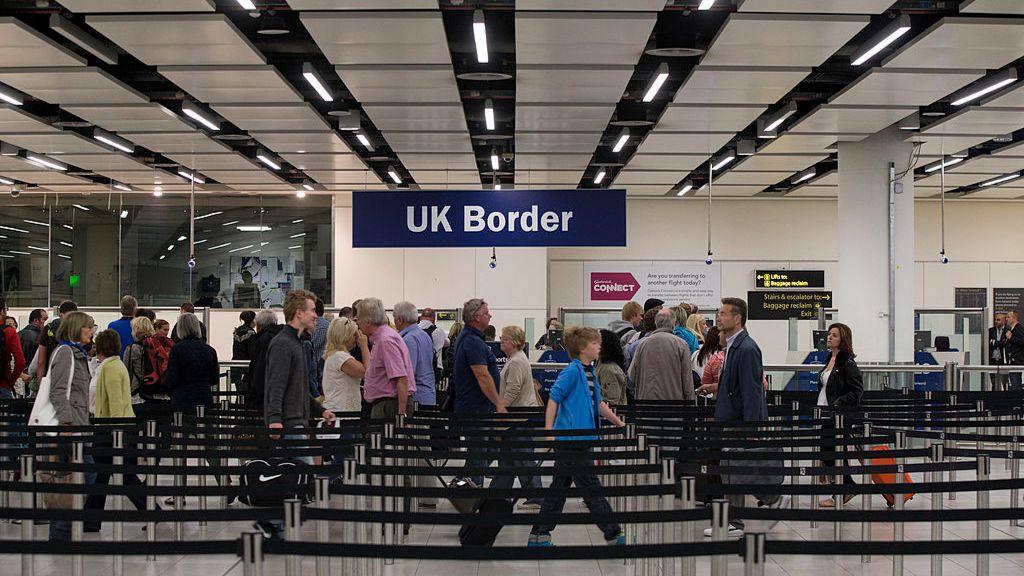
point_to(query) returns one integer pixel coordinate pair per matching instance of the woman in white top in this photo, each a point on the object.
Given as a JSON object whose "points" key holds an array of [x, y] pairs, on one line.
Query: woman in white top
{"points": [[343, 373]]}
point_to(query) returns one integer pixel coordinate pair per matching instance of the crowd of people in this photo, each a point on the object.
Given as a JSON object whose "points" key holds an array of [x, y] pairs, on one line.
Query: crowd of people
{"points": [[311, 367]]}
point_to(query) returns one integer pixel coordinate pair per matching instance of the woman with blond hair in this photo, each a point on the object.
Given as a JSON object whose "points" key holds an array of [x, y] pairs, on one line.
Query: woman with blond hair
{"points": [[343, 373], [697, 324]]}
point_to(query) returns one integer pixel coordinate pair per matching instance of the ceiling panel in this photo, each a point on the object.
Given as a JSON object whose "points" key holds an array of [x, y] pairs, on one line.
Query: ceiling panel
{"points": [[446, 176], [542, 186], [937, 144], [738, 85], [455, 141], [55, 143], [783, 162], [551, 161], [71, 85], [959, 42], [816, 6], [701, 118], [401, 83], [169, 142], [1013, 96], [232, 84], [548, 176], [751, 178], [12, 119], [836, 119], [781, 39], [797, 142], [666, 161], [379, 37], [41, 177], [577, 85], [979, 120], [357, 177], [994, 164], [257, 117], [225, 161], [905, 86], [21, 45], [634, 177], [558, 118], [440, 161], [325, 161], [363, 4], [557, 141], [831, 179], [101, 162], [136, 177], [684, 142], [179, 39], [603, 5], [290, 141], [992, 6], [130, 117], [582, 37], [100, 6], [421, 117]]}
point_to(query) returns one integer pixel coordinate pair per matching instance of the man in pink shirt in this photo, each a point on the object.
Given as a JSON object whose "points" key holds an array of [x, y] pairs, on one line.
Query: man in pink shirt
{"points": [[389, 378]]}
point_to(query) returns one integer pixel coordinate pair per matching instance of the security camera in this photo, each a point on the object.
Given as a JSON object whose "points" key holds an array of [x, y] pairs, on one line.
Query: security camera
{"points": [[15, 191]]}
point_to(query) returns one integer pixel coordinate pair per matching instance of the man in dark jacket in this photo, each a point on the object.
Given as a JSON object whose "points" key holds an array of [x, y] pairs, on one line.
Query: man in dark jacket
{"points": [[255, 379], [1013, 347], [29, 335]]}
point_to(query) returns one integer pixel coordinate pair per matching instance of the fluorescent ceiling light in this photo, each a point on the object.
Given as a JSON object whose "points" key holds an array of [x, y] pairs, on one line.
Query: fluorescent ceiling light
{"points": [[296, 221], [1001, 179], [120, 186], [779, 117], [230, 223], [706, 4], [45, 162], [495, 161], [687, 187], [318, 84], [64, 257], [68, 226], [162, 256], [480, 36], [6, 181], [364, 141], [939, 164], [195, 113], [171, 247], [10, 96], [181, 238], [262, 244], [14, 229], [995, 83], [20, 252], [199, 241], [37, 223], [158, 190], [307, 186], [93, 45], [912, 122], [191, 176], [722, 160], [208, 214], [248, 228], [489, 114], [80, 207], [880, 41], [660, 75], [219, 246], [68, 244], [599, 177], [297, 235], [266, 158], [113, 140], [38, 248], [246, 247], [295, 247], [247, 4], [394, 175], [124, 213], [623, 138], [805, 175]]}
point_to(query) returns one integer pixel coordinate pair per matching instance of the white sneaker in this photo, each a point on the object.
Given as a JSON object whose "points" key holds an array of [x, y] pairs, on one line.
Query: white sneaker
{"points": [[733, 532]]}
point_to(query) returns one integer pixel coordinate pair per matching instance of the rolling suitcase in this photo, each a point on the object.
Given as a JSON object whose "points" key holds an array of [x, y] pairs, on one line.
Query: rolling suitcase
{"points": [[888, 478], [477, 535]]}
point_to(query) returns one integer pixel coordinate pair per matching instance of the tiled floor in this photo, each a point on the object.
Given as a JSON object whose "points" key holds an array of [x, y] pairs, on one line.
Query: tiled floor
{"points": [[567, 535]]}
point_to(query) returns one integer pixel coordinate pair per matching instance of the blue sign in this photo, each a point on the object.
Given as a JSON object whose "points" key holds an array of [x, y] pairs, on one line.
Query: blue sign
{"points": [[485, 218]]}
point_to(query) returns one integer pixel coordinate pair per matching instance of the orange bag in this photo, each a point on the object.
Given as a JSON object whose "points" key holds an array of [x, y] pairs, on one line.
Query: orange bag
{"points": [[888, 478]]}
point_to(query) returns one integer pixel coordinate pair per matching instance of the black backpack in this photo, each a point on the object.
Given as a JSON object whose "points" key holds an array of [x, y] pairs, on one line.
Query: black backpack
{"points": [[273, 472]]}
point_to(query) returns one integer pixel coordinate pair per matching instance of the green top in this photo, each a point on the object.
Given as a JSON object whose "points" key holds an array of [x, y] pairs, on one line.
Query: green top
{"points": [[113, 390]]}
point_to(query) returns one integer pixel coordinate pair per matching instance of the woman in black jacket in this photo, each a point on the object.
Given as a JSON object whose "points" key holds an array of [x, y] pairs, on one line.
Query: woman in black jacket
{"points": [[841, 385]]}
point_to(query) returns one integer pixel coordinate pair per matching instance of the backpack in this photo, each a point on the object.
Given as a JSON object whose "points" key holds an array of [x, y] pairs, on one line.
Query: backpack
{"points": [[155, 358], [273, 473]]}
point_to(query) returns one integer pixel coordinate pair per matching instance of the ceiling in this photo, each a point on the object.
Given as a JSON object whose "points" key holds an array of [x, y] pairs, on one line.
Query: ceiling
{"points": [[199, 87]]}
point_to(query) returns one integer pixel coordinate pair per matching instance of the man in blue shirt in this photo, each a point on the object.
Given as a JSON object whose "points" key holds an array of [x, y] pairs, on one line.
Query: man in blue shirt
{"points": [[421, 351], [123, 326]]}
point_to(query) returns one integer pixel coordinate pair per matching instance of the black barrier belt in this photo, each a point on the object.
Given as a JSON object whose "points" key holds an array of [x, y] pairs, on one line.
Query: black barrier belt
{"points": [[704, 455], [885, 515], [457, 443], [990, 452], [140, 516], [882, 548], [961, 437], [821, 470], [134, 548], [833, 489], [511, 454]]}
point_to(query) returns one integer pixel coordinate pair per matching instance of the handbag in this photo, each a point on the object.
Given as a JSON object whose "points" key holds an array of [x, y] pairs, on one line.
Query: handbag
{"points": [[55, 500], [44, 413]]}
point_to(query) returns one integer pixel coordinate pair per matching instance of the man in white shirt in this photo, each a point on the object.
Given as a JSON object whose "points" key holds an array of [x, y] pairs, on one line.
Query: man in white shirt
{"points": [[428, 319]]}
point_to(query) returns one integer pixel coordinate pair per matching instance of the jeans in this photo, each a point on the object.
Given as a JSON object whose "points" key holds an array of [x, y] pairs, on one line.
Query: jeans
{"points": [[564, 477], [279, 524], [60, 530], [1015, 379]]}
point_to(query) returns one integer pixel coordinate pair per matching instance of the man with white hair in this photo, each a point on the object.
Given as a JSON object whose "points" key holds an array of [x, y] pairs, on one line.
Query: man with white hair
{"points": [[421, 352], [389, 378], [661, 365], [428, 322]]}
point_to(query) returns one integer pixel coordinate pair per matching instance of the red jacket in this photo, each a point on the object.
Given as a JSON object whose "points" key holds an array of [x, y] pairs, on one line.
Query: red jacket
{"points": [[12, 347]]}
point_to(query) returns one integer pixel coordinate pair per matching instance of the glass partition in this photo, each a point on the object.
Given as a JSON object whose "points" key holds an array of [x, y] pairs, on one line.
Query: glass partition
{"points": [[949, 335], [24, 266]]}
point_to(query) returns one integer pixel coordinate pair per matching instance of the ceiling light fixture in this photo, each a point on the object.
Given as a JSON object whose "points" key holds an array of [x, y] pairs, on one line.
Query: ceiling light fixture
{"points": [[247, 4], [480, 36], [364, 141], [316, 81], [296, 221], [995, 82], [912, 122], [1001, 179], [251, 228], [763, 133], [776, 120], [207, 215], [309, 187], [36, 223], [218, 246], [746, 147], [687, 187], [120, 186], [20, 252], [193, 111], [599, 177], [246, 247], [113, 140], [880, 41], [394, 175], [199, 241], [181, 238], [721, 161], [68, 226], [300, 193], [162, 256], [705, 4], [170, 248], [124, 213], [191, 176], [38, 248], [14, 229], [623, 138], [299, 235], [83, 39], [80, 207], [45, 162], [68, 244], [6, 181], [268, 159], [489, 114], [230, 223], [660, 76], [939, 164], [295, 247], [10, 96], [805, 175], [495, 160], [158, 190]]}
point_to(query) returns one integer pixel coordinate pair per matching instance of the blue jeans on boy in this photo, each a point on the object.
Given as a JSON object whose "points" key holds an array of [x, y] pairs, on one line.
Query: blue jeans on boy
{"points": [[60, 530]]}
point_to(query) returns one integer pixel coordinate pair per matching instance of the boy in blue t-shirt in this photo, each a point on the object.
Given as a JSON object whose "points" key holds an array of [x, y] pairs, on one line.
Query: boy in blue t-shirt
{"points": [[575, 404]]}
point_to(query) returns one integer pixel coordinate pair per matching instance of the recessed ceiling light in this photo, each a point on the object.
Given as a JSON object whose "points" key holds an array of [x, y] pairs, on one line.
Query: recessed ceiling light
{"points": [[181, 238], [36, 223], [621, 141], [158, 190], [776, 120], [80, 207], [660, 76], [599, 177], [247, 4], [687, 187], [394, 175], [705, 4], [230, 223], [45, 162], [113, 140], [218, 246], [208, 214], [317, 82], [364, 141], [892, 32], [12, 229], [1001, 179], [489, 114], [253, 228], [268, 159], [495, 160], [805, 175], [721, 161], [480, 36], [10, 96], [990, 85], [194, 112], [193, 176], [940, 164]]}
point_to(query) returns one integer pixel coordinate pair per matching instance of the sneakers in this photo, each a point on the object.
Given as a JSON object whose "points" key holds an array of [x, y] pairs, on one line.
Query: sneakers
{"points": [[618, 540], [267, 530], [539, 541], [733, 532], [531, 504]]}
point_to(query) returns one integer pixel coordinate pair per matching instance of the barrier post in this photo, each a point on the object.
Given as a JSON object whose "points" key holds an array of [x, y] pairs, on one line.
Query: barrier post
{"points": [[665, 532], [634, 503], [364, 530], [688, 492], [794, 502], [753, 554], [252, 553], [323, 501], [389, 502], [984, 471], [78, 503], [178, 420], [28, 473], [292, 524], [719, 532], [837, 479], [200, 414], [378, 532], [866, 503], [936, 476], [949, 446], [1013, 459], [816, 415], [117, 479], [897, 527], [350, 531], [651, 504], [151, 480]]}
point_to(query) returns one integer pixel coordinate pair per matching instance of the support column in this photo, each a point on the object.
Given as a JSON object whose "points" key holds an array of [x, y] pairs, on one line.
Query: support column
{"points": [[865, 295]]}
